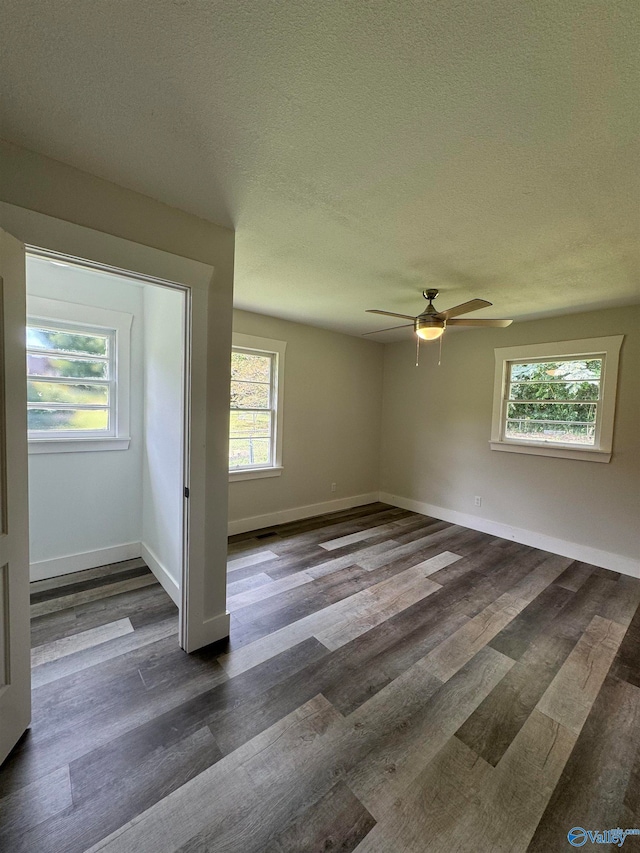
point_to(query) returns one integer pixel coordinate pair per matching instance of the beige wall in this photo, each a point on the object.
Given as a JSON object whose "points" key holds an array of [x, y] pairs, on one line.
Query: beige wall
{"points": [[436, 429], [31, 182], [332, 408]]}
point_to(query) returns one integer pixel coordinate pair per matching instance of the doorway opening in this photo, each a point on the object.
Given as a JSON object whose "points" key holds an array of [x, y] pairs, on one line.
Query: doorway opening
{"points": [[108, 379]]}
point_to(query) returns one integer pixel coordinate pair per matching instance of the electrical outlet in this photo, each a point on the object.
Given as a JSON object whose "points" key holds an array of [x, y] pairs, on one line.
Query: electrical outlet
{"points": [[478, 500], [334, 486]]}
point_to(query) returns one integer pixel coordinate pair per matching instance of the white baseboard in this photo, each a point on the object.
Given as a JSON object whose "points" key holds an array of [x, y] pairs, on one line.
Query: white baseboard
{"points": [[573, 550], [57, 566], [256, 522], [210, 631], [168, 582]]}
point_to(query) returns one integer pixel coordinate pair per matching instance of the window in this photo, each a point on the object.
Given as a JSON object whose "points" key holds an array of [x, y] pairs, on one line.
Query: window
{"points": [[255, 428], [557, 399], [70, 380], [77, 377]]}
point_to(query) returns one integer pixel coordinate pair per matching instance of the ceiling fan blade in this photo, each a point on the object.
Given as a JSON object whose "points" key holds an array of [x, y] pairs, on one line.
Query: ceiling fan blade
{"points": [[498, 323], [390, 314], [390, 329], [465, 308]]}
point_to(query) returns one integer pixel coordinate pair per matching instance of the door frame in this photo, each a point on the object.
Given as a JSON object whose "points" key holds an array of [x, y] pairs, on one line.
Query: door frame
{"points": [[186, 291], [15, 669], [205, 618]]}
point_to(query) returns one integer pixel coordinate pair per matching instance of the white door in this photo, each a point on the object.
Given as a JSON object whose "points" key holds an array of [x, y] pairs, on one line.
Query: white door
{"points": [[15, 671]]}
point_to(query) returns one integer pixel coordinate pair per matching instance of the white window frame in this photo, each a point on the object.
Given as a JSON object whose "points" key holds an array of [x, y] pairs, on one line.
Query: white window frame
{"points": [[117, 324], [607, 348], [275, 349]]}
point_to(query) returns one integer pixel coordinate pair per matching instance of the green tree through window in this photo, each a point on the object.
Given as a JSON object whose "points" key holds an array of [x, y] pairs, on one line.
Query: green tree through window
{"points": [[56, 360], [252, 414], [554, 401]]}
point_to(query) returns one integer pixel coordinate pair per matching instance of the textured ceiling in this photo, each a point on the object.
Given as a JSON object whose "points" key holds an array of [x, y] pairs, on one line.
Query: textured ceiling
{"points": [[361, 150]]}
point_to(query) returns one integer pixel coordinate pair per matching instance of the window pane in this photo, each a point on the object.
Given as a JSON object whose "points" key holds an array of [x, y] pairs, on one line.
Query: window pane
{"points": [[60, 392], [71, 368], [541, 431], [585, 390], [246, 424], [565, 412], [43, 338], [68, 419], [249, 395], [251, 368], [569, 422], [247, 452], [572, 371]]}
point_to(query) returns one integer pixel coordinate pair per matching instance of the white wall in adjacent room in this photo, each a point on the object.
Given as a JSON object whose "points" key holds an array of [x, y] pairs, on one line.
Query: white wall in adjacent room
{"points": [[88, 501], [162, 463]]}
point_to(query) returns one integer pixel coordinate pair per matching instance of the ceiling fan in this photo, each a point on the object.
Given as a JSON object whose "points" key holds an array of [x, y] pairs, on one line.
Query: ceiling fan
{"points": [[431, 323]]}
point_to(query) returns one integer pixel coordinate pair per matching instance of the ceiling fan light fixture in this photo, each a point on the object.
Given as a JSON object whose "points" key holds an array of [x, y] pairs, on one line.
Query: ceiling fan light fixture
{"points": [[429, 328], [430, 325]]}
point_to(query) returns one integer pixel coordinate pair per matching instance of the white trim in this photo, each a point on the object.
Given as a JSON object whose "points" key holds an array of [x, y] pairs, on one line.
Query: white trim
{"points": [[584, 553], [277, 348], [215, 628], [254, 473], [283, 516], [584, 453], [211, 630], [167, 581], [76, 445], [608, 347], [43, 569]]}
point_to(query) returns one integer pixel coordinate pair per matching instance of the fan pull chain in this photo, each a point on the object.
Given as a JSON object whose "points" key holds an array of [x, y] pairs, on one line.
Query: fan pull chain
{"points": [[417, 350], [440, 352]]}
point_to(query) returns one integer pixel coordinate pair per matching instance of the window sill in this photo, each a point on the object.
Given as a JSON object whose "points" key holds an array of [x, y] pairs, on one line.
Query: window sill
{"points": [[254, 473], [76, 445], [561, 451]]}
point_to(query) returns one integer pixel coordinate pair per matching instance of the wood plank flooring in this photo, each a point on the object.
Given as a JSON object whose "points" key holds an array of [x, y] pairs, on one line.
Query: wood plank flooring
{"points": [[393, 683]]}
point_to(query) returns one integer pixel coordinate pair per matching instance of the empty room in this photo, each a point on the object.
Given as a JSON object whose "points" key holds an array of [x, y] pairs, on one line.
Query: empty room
{"points": [[319, 445]]}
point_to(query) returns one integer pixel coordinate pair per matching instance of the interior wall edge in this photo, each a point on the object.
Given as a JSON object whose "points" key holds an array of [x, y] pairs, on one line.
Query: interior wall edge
{"points": [[573, 550], [256, 522], [56, 566]]}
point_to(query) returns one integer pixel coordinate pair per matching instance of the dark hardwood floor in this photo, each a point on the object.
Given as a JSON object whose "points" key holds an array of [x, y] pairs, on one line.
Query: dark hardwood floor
{"points": [[393, 683]]}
